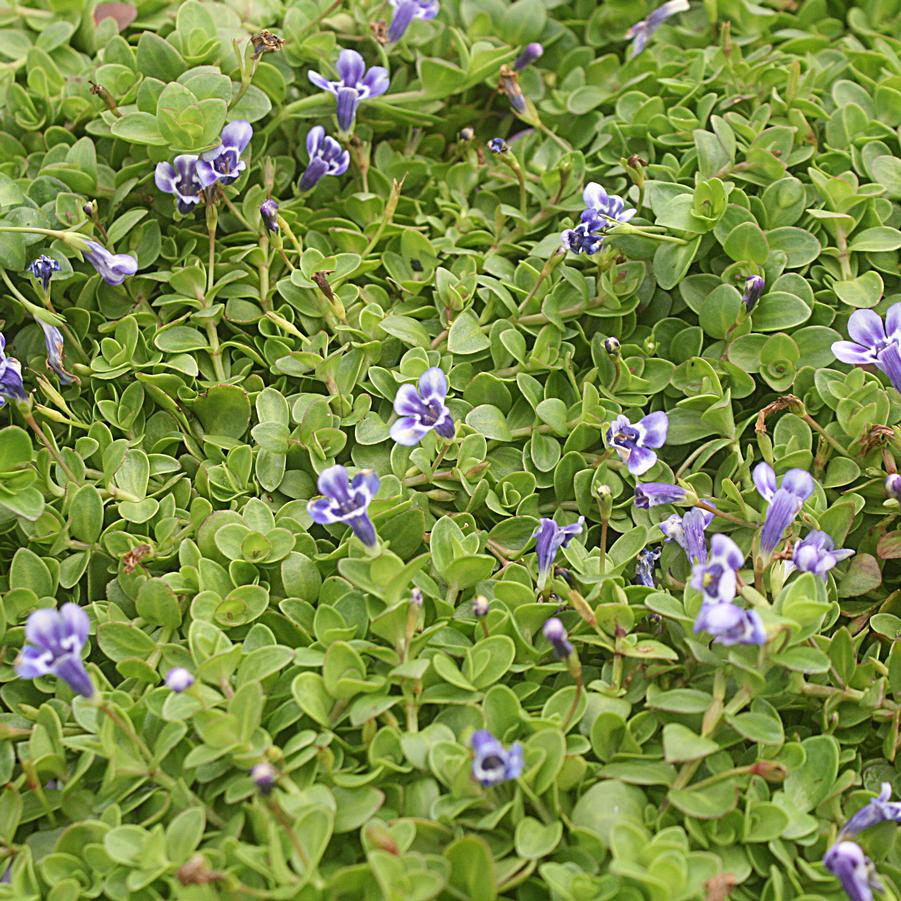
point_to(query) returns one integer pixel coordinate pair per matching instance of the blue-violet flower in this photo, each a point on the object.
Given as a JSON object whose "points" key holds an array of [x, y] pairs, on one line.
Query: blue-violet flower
{"points": [[327, 157], [423, 410], [633, 441], [185, 179], [43, 268], [816, 554], [494, 764], [716, 579], [346, 501], [498, 145], [264, 777], [405, 11], [754, 285], [644, 566], [269, 214], [549, 538], [602, 210], [893, 485], [688, 532], [356, 85], [11, 386], [178, 679], [877, 810], [55, 641], [53, 341], [853, 869], [224, 163], [652, 494], [729, 624], [529, 55], [113, 268], [874, 343], [785, 502], [555, 633], [640, 33]]}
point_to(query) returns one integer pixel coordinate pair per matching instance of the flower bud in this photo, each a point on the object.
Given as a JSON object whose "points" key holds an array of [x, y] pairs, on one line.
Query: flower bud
{"points": [[269, 214], [530, 54], [479, 606], [555, 633], [264, 776], [611, 345], [498, 145], [179, 679]]}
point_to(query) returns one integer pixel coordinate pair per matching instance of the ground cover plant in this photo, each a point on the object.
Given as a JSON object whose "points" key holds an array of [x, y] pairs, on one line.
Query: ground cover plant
{"points": [[448, 450]]}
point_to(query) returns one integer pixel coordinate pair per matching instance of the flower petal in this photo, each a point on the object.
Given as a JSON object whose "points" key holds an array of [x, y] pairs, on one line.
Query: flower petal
{"points": [[237, 134], [164, 177], [445, 426], [350, 67], [75, 622], [334, 483], [315, 137], [409, 430], [641, 460], [43, 628], [866, 328], [407, 402], [855, 354], [656, 426], [366, 483], [433, 385], [764, 480], [33, 662], [323, 512], [799, 483], [322, 82], [893, 322], [376, 82]]}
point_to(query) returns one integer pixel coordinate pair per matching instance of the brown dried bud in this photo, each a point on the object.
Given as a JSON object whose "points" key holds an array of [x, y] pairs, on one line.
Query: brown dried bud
{"points": [[266, 42]]}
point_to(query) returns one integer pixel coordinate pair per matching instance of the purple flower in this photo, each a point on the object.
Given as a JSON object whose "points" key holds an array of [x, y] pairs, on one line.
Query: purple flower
{"points": [[479, 606], [185, 179], [498, 145], [644, 566], [423, 410], [874, 343], [264, 777], [356, 85], [405, 11], [730, 624], [549, 538], [224, 162], [893, 485], [754, 285], [346, 501], [493, 764], [269, 214], [632, 442], [853, 869], [53, 341], [112, 267], [43, 268], [55, 641], [602, 210], [640, 33], [652, 494], [178, 679], [877, 810], [716, 578], [529, 55], [688, 532], [326, 158], [816, 554], [784, 503], [11, 386], [555, 633]]}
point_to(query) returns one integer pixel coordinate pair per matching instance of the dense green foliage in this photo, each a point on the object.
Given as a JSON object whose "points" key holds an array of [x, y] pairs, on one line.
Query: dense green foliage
{"points": [[165, 491]]}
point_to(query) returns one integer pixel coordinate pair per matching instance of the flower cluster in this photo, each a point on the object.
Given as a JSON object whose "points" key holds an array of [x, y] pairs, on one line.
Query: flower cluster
{"points": [[602, 210]]}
